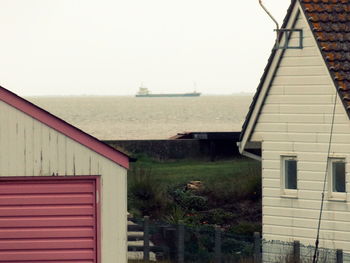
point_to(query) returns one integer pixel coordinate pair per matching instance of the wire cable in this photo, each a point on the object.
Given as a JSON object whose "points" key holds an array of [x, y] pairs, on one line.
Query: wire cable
{"points": [[315, 257]]}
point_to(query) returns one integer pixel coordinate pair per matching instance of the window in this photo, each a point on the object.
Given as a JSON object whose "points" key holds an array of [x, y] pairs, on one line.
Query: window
{"points": [[337, 177], [289, 180], [290, 173]]}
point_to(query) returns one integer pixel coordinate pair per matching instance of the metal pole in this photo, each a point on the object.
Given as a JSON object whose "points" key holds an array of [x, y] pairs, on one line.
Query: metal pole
{"points": [[217, 244], [257, 248], [296, 251], [146, 248], [273, 19], [181, 242], [339, 256]]}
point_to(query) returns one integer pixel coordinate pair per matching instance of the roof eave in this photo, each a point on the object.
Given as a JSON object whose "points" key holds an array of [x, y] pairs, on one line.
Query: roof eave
{"points": [[244, 135], [63, 127]]}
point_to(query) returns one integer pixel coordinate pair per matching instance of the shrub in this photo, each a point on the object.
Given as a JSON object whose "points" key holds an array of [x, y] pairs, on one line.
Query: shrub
{"points": [[219, 216], [175, 215], [187, 199], [245, 186], [245, 228], [146, 195]]}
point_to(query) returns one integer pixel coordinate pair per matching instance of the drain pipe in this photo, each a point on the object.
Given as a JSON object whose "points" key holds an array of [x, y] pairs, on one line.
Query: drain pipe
{"points": [[274, 20]]}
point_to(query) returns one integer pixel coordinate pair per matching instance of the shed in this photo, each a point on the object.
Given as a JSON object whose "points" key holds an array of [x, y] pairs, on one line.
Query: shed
{"points": [[62, 192], [299, 118]]}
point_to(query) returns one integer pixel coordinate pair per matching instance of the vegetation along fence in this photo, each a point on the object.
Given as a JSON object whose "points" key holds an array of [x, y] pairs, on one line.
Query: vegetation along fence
{"points": [[181, 243], [207, 244]]}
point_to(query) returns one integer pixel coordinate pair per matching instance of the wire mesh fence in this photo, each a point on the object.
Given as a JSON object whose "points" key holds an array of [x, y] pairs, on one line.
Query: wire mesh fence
{"points": [[179, 243], [183, 243]]}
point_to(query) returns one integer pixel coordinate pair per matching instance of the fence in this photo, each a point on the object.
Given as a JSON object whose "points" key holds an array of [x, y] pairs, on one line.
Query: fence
{"points": [[208, 244], [294, 252], [180, 243]]}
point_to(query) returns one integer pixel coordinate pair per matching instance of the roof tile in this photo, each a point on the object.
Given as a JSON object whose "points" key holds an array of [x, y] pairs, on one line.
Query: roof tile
{"points": [[330, 23]]}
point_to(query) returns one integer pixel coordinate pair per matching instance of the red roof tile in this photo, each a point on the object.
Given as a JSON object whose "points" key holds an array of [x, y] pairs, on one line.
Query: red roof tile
{"points": [[330, 22]]}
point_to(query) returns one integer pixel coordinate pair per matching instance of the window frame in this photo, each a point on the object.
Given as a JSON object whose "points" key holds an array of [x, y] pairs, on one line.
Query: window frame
{"points": [[287, 192], [337, 196]]}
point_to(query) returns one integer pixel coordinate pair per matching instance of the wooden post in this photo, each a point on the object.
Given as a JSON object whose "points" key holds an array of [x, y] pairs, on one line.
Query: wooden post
{"points": [[296, 251], [217, 244], [181, 242], [339, 256], [257, 248], [146, 247]]}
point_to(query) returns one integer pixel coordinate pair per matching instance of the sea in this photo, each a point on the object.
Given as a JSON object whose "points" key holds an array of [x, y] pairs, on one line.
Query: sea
{"points": [[130, 118]]}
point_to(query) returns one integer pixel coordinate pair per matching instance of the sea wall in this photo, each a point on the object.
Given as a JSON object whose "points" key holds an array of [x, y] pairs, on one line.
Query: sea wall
{"points": [[178, 149]]}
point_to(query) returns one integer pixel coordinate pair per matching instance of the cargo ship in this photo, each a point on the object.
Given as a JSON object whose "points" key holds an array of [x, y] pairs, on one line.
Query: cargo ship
{"points": [[144, 92]]}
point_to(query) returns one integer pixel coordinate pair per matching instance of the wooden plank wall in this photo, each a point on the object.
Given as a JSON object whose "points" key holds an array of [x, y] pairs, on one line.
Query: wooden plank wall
{"points": [[295, 119], [30, 148]]}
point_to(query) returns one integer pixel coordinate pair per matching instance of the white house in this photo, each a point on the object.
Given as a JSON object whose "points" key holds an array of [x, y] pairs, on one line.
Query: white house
{"points": [[290, 127], [62, 192]]}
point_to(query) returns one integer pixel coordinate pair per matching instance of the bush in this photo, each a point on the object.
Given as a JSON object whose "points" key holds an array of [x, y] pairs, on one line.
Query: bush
{"points": [[219, 216], [146, 196], [175, 215], [245, 186], [246, 228], [187, 199]]}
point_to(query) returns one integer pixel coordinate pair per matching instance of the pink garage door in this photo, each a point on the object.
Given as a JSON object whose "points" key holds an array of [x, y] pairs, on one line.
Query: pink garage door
{"points": [[46, 221]]}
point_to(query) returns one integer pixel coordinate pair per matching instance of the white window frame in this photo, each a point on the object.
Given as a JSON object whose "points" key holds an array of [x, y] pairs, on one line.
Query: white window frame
{"points": [[336, 196], [286, 192]]}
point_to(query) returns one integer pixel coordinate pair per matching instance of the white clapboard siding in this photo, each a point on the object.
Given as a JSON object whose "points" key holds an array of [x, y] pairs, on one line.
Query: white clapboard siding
{"points": [[304, 213], [300, 127], [298, 89], [30, 148], [327, 225], [295, 120]]}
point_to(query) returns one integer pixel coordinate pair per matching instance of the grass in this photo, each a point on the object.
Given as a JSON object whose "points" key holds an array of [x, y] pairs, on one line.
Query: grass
{"points": [[230, 195], [183, 171]]}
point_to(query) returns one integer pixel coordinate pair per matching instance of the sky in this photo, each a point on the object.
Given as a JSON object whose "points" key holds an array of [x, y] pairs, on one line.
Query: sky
{"points": [[111, 47]]}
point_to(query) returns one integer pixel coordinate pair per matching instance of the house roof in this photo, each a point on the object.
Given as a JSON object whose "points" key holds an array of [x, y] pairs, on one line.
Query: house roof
{"points": [[329, 21], [63, 127], [266, 70]]}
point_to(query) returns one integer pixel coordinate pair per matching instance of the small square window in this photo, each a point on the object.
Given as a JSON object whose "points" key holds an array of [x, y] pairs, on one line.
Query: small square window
{"points": [[290, 174], [338, 176]]}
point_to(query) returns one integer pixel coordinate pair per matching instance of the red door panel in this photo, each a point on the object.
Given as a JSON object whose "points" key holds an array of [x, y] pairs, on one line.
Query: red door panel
{"points": [[48, 221]]}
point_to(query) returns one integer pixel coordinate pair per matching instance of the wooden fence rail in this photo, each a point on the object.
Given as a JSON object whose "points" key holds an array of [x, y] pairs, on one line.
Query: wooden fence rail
{"points": [[178, 249]]}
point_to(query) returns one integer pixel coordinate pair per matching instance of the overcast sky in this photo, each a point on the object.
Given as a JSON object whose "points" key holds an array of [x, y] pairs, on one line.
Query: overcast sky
{"points": [[109, 47]]}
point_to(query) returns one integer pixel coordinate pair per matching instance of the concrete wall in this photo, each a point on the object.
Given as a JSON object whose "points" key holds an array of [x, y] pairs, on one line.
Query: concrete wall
{"points": [[179, 149]]}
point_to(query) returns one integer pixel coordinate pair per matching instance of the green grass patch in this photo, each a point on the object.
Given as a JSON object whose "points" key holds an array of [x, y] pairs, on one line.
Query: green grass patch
{"points": [[229, 195], [183, 171]]}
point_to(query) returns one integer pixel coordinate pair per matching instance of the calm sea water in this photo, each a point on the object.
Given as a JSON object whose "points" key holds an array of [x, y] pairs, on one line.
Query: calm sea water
{"points": [[148, 118]]}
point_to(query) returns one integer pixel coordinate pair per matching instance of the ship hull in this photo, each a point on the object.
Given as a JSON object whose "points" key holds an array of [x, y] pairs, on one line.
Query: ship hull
{"points": [[170, 95]]}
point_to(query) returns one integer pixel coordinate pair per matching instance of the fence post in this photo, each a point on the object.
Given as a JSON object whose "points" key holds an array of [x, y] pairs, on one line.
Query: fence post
{"points": [[181, 242], [296, 251], [217, 244], [339, 256], [146, 247], [257, 248]]}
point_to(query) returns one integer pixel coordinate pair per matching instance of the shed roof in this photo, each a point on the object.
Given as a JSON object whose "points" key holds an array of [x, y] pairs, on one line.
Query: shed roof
{"points": [[329, 21], [63, 127]]}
